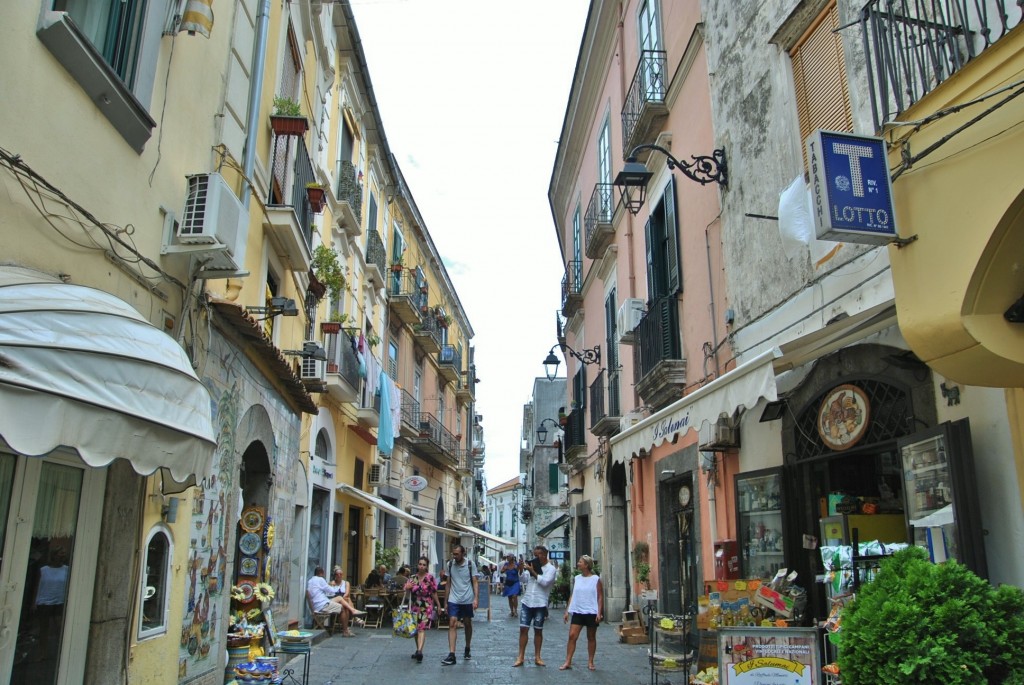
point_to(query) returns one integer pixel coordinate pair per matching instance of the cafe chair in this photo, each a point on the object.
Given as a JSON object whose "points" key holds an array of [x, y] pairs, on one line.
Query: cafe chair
{"points": [[374, 606], [322, 620]]}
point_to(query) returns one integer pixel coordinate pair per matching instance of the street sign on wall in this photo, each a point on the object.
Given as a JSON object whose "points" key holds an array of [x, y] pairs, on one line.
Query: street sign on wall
{"points": [[851, 192]]}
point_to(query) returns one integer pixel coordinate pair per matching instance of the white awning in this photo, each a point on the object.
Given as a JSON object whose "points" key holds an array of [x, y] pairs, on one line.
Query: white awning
{"points": [[346, 489], [80, 368], [482, 533], [744, 386]]}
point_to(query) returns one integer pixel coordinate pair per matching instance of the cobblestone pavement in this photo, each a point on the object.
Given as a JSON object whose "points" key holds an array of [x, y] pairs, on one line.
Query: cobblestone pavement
{"points": [[375, 657]]}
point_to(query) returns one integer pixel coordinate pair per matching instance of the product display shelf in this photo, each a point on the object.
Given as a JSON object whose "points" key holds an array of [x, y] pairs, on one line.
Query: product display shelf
{"points": [[671, 654]]}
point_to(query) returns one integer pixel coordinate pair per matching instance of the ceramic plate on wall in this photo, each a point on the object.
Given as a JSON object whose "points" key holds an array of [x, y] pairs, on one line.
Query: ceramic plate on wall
{"points": [[252, 521], [249, 544], [250, 566]]}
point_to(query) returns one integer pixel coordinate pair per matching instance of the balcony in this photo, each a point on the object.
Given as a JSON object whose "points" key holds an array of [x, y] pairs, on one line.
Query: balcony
{"points": [[572, 288], [288, 218], [349, 213], [657, 354], [449, 359], [434, 441], [575, 438], [342, 368], [404, 296], [427, 333], [410, 416], [912, 47], [644, 111], [368, 411], [597, 222], [604, 416], [465, 388], [376, 259]]}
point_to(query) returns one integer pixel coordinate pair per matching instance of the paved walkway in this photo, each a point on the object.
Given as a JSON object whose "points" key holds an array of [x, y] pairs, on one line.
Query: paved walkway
{"points": [[375, 657]]}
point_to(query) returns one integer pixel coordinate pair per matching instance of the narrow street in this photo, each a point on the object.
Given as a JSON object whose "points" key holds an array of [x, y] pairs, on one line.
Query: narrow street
{"points": [[375, 656]]}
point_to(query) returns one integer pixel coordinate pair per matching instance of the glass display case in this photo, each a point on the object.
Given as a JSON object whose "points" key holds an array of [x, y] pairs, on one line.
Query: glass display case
{"points": [[759, 521]]}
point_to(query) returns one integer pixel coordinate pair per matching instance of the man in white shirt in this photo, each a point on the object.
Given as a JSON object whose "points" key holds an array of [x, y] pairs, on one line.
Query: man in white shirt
{"points": [[328, 599], [539, 576]]}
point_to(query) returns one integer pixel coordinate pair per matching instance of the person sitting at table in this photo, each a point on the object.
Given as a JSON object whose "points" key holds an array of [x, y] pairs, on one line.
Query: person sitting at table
{"points": [[373, 579], [399, 580], [338, 581], [327, 600]]}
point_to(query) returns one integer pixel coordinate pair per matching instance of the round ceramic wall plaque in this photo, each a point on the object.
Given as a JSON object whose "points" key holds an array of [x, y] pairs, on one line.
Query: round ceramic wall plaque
{"points": [[843, 417]]}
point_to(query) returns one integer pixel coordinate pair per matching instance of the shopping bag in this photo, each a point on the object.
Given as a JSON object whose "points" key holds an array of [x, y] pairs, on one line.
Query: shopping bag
{"points": [[403, 623]]}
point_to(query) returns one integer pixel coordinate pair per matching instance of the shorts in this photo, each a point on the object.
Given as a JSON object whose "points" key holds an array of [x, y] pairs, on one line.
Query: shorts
{"points": [[532, 616], [331, 608], [588, 620], [462, 611]]}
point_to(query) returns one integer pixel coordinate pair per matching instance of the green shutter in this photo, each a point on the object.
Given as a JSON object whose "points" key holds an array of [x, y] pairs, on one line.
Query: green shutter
{"points": [[553, 479], [673, 267], [649, 239]]}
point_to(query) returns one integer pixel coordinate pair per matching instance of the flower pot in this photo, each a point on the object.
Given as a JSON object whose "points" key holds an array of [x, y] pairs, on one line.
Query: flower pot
{"points": [[288, 125], [396, 268], [330, 327], [316, 197], [332, 367]]}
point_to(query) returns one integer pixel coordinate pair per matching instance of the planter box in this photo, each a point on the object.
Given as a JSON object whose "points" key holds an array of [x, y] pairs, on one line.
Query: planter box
{"points": [[316, 199], [288, 126], [330, 327]]}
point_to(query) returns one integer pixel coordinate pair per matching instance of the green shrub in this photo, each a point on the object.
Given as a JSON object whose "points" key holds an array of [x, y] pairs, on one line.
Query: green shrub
{"points": [[919, 622], [560, 590]]}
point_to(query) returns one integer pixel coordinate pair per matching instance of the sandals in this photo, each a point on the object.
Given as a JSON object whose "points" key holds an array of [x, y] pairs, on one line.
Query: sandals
{"points": [[348, 633], [359, 622]]}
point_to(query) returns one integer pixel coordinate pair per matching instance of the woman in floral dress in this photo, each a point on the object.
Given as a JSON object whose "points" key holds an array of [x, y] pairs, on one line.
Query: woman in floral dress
{"points": [[422, 589]]}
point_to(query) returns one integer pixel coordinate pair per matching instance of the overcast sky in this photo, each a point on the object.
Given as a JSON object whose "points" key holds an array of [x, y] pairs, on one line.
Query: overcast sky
{"points": [[472, 94]]}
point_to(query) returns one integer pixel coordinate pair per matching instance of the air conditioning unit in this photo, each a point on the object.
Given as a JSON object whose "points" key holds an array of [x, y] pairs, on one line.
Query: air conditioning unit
{"points": [[631, 311], [718, 435], [215, 217], [376, 474], [313, 370], [629, 420]]}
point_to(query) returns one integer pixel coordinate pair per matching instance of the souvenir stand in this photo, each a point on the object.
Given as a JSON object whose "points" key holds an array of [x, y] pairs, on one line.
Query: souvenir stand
{"points": [[251, 633]]}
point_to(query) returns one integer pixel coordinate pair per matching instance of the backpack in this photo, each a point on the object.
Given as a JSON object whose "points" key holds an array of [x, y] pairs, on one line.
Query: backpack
{"points": [[472, 569]]}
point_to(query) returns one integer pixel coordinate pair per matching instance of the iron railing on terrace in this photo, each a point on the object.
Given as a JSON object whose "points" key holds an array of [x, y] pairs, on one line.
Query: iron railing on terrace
{"points": [[657, 336], [912, 46], [291, 184], [350, 190], [575, 438], [605, 385], [375, 251], [648, 86], [572, 282], [600, 209]]}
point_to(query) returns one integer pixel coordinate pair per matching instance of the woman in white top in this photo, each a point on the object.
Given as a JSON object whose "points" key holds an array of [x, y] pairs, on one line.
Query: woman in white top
{"points": [[586, 604]]}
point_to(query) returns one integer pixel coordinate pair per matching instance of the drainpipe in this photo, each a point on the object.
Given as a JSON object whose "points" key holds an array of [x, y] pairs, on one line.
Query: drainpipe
{"points": [[259, 55], [711, 296]]}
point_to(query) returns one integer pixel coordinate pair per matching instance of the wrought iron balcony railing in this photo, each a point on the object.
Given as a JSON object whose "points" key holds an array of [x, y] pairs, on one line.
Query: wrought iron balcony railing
{"points": [[350, 190], [913, 46], [597, 222], [604, 416], [657, 336], [376, 254], [575, 438], [572, 288], [646, 93]]}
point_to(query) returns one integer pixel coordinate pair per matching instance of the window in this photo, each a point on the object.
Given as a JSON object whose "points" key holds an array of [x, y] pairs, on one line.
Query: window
{"points": [[604, 153], [393, 360], [612, 355], [553, 478], [664, 273], [371, 216], [819, 77], [124, 35], [358, 479], [648, 25], [577, 250], [155, 578]]}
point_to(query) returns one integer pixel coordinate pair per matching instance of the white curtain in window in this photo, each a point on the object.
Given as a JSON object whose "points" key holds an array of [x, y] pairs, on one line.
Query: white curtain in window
{"points": [[57, 506]]}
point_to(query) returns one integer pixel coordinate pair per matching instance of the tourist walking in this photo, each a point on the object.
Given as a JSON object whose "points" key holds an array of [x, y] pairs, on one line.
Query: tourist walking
{"points": [[424, 604], [463, 599], [539, 574], [586, 607], [511, 587]]}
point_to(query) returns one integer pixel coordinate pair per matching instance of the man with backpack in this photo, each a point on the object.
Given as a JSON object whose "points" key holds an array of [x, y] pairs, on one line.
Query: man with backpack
{"points": [[463, 599]]}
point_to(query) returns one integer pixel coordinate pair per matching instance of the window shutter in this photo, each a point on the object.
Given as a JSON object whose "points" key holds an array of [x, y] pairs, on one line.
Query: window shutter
{"points": [[819, 76], [552, 479], [668, 332], [649, 240], [673, 265]]}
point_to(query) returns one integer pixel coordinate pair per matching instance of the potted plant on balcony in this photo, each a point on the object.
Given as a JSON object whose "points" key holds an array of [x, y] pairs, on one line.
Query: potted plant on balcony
{"points": [[328, 270], [398, 264], [317, 197], [287, 119]]}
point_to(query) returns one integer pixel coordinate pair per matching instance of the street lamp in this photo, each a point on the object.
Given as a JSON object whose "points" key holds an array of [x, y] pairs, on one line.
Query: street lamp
{"points": [[542, 432], [635, 175], [586, 357]]}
